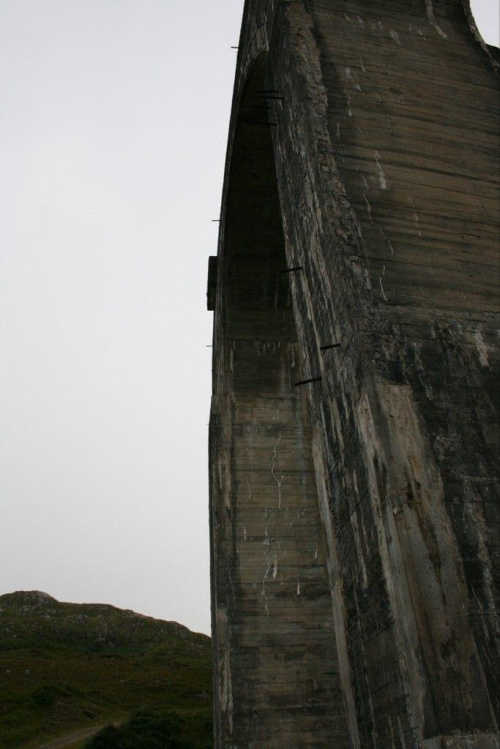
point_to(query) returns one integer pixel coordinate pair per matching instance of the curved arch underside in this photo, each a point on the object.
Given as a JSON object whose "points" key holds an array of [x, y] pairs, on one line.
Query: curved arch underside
{"points": [[272, 590]]}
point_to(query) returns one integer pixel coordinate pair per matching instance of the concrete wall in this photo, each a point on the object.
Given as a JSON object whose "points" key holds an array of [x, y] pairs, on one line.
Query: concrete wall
{"points": [[354, 519]]}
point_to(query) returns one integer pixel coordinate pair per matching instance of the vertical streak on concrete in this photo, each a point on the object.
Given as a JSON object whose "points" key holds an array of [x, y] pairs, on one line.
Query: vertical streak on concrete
{"points": [[335, 586]]}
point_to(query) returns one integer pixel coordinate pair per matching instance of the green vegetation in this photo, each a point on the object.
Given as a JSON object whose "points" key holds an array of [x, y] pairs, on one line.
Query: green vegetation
{"points": [[69, 666], [145, 730]]}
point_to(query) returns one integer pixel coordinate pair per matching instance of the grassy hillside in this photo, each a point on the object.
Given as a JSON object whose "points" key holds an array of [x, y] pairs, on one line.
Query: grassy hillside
{"points": [[64, 666]]}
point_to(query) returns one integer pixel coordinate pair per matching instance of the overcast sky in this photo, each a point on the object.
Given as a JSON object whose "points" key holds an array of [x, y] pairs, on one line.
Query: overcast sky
{"points": [[113, 125]]}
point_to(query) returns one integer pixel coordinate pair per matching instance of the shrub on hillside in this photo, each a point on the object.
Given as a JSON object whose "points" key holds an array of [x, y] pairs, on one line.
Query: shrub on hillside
{"points": [[146, 730], [44, 697]]}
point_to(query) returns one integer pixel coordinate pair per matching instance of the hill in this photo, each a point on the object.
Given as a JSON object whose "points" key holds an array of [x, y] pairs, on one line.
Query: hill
{"points": [[66, 666]]}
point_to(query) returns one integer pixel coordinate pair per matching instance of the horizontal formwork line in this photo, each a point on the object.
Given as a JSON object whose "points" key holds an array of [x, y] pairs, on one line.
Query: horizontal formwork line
{"points": [[287, 533], [315, 720], [254, 443], [327, 649], [430, 199], [417, 146], [381, 94], [296, 631], [408, 84], [281, 530], [277, 514], [254, 522], [374, 14], [396, 167], [376, 77], [249, 627], [283, 472], [281, 692], [266, 419], [291, 685], [384, 255], [429, 189], [419, 321], [297, 683], [252, 568], [286, 617], [283, 598], [404, 150], [338, 50], [258, 569], [405, 235], [277, 526], [294, 637], [430, 244], [402, 123], [266, 398], [294, 624], [419, 115], [287, 433], [407, 289], [372, 35], [264, 438], [421, 177], [257, 677], [293, 621], [263, 500], [262, 472], [251, 555], [292, 481], [286, 464], [240, 492], [376, 126], [450, 275], [324, 645], [324, 648], [250, 514], [453, 273], [245, 558], [429, 218]]}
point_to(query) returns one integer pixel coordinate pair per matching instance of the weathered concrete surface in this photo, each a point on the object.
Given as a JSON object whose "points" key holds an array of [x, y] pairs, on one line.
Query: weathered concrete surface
{"points": [[354, 520]]}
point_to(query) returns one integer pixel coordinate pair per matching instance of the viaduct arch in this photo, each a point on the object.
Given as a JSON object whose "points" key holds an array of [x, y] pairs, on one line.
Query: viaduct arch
{"points": [[353, 433]]}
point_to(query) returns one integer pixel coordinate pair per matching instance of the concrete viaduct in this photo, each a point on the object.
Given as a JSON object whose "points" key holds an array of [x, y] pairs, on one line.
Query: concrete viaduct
{"points": [[354, 503]]}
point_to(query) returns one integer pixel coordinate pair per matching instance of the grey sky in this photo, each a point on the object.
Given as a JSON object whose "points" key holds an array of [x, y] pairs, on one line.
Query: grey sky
{"points": [[113, 128]]}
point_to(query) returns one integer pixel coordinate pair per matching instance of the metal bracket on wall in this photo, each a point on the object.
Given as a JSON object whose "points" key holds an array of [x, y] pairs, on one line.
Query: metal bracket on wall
{"points": [[291, 270], [306, 382]]}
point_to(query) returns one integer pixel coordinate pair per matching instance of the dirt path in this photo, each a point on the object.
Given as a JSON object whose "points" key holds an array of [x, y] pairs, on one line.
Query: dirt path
{"points": [[72, 738]]}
